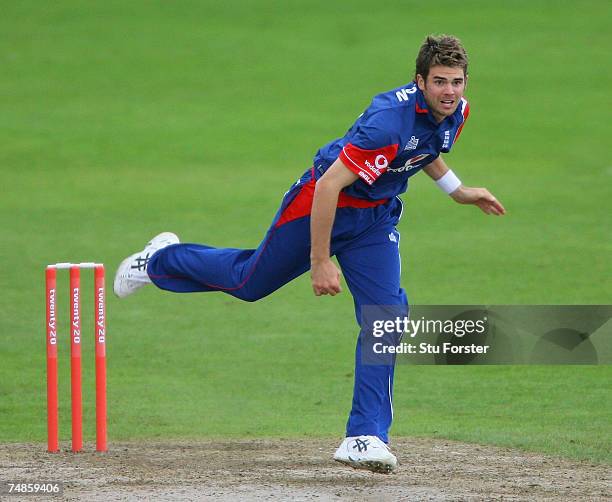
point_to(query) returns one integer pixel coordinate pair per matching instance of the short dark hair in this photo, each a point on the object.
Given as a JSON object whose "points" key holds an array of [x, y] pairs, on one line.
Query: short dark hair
{"points": [[445, 50]]}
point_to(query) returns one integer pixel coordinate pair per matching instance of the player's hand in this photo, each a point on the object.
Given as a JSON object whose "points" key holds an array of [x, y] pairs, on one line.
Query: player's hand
{"points": [[480, 197], [325, 277]]}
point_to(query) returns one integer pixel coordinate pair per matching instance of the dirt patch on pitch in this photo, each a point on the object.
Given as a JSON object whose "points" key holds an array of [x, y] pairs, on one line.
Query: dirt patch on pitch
{"points": [[297, 470]]}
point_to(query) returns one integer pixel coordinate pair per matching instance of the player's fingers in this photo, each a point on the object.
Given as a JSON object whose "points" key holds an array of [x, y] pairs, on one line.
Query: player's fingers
{"points": [[499, 207], [331, 289], [491, 209], [491, 206], [334, 289], [484, 207]]}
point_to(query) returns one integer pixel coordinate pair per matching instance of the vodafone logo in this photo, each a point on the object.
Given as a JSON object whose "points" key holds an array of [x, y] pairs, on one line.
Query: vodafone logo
{"points": [[381, 161]]}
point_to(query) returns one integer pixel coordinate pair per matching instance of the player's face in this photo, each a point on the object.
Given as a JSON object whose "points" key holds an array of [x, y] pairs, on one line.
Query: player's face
{"points": [[442, 90]]}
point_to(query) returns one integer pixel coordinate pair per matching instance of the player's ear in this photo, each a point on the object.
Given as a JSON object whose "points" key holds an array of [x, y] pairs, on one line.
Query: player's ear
{"points": [[466, 81], [420, 81]]}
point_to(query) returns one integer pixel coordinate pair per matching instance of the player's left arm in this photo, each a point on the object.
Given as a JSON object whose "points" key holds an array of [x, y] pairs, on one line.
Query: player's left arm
{"points": [[480, 197]]}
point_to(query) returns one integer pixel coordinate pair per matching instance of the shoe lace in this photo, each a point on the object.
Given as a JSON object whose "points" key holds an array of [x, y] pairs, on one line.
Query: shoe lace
{"points": [[141, 262], [361, 445]]}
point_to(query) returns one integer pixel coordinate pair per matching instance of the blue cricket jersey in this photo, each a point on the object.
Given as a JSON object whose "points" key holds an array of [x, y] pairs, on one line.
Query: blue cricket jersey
{"points": [[390, 142]]}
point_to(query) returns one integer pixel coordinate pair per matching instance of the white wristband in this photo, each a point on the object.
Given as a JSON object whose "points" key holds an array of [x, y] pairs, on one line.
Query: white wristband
{"points": [[449, 182]]}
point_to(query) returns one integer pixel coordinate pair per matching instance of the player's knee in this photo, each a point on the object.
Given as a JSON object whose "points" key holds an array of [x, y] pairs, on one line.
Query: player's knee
{"points": [[250, 296]]}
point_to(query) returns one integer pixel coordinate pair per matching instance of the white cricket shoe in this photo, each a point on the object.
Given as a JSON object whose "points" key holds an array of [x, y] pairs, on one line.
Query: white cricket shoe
{"points": [[132, 272], [366, 452]]}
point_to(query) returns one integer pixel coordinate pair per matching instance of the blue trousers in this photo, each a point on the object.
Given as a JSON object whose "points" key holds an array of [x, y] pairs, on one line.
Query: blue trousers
{"points": [[365, 242]]}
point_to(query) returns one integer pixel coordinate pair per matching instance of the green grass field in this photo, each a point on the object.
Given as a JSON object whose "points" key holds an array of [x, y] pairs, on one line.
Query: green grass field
{"points": [[120, 120]]}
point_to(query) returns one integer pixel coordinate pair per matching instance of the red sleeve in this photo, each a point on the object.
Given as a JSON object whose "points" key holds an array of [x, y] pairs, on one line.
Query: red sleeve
{"points": [[368, 164]]}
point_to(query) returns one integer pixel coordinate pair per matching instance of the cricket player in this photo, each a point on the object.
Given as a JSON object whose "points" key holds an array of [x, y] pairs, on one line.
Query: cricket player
{"points": [[346, 205]]}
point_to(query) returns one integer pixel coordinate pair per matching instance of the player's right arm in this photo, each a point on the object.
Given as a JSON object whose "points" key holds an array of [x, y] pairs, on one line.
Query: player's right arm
{"points": [[325, 275], [372, 145]]}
